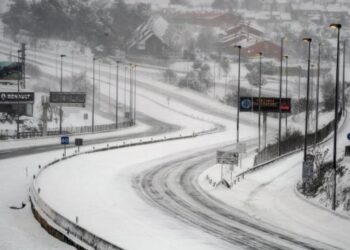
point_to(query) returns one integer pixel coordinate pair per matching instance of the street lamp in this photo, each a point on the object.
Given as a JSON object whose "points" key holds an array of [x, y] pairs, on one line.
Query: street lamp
{"points": [[308, 40], [286, 57], [344, 60], [239, 47], [135, 93], [260, 83], [280, 97], [61, 87], [338, 27], [131, 94], [116, 95], [299, 88], [93, 96], [18, 83], [318, 90]]}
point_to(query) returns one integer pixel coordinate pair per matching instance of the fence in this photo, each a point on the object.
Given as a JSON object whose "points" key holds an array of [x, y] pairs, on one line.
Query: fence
{"points": [[6, 134], [291, 144]]}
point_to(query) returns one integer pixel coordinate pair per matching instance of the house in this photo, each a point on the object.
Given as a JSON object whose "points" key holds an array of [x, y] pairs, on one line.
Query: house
{"points": [[150, 38], [240, 33], [267, 47]]}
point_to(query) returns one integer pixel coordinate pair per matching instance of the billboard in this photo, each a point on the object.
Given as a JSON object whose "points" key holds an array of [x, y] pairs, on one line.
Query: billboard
{"points": [[17, 109], [227, 157], [267, 104], [16, 97], [10, 72], [72, 99]]}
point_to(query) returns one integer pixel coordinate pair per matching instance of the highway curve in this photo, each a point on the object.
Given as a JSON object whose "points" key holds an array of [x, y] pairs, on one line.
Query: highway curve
{"points": [[173, 187]]}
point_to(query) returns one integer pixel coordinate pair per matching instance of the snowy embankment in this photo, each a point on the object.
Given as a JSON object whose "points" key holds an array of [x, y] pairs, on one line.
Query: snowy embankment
{"points": [[270, 196]]}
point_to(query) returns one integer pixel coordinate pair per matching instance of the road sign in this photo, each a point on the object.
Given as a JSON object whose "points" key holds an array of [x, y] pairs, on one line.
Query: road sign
{"points": [[78, 142], [16, 97], [349, 136], [86, 116], [64, 140], [227, 157], [267, 104], [72, 99], [246, 104], [310, 158], [10, 72], [308, 171], [241, 147], [347, 150]]}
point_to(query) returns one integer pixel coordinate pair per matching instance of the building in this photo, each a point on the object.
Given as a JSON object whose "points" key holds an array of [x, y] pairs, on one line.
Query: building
{"points": [[150, 38]]}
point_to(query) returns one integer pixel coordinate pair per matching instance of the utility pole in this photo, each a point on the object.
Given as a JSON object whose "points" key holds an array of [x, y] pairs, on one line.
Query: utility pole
{"points": [[116, 95], [344, 61], [260, 83], [308, 40], [239, 47], [61, 89], [135, 93], [280, 97], [93, 96], [131, 94], [318, 90], [334, 201], [19, 67], [286, 92]]}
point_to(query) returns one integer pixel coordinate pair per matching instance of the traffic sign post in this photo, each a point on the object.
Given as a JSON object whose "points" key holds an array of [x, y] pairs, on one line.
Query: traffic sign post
{"points": [[78, 143], [64, 142], [71, 99]]}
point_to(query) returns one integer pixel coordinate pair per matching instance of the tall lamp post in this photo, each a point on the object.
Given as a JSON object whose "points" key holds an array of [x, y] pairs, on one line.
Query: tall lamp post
{"points": [[239, 47], [135, 93], [344, 60], [61, 87], [260, 83], [93, 96], [286, 57], [280, 97], [308, 40], [18, 83], [318, 90], [338, 27], [116, 95]]}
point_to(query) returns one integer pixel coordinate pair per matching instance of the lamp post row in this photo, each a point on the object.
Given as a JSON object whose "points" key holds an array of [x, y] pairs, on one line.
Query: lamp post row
{"points": [[336, 113]]}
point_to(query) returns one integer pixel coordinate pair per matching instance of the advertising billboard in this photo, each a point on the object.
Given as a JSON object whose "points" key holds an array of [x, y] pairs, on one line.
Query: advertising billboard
{"points": [[267, 104], [10, 72]]}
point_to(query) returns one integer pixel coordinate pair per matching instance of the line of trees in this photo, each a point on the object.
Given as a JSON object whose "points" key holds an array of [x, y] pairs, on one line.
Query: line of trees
{"points": [[91, 25]]}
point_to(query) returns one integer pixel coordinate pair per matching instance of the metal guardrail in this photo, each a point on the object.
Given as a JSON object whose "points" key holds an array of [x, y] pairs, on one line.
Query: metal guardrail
{"points": [[70, 228]]}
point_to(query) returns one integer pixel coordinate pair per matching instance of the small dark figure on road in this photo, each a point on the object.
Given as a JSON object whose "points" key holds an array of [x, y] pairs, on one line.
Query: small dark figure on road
{"points": [[21, 207]]}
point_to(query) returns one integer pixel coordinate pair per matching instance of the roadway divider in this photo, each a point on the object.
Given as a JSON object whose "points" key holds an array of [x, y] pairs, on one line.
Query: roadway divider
{"points": [[69, 231]]}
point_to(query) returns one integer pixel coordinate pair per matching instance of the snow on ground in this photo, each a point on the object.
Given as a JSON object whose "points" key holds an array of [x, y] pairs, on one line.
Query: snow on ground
{"points": [[270, 196], [112, 208]]}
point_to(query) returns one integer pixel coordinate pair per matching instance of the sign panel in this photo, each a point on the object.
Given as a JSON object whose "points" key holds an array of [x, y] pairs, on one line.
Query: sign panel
{"points": [[310, 158], [68, 98], [78, 141], [267, 104], [241, 148], [308, 171], [227, 157], [10, 72], [64, 140], [16, 97], [17, 109]]}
